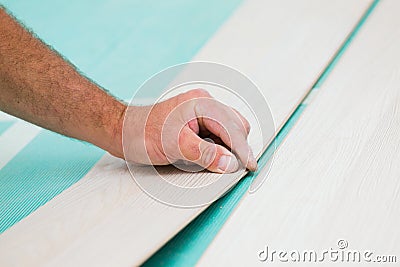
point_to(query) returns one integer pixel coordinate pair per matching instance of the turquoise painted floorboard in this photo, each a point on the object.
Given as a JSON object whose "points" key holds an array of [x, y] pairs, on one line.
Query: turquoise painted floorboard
{"points": [[43, 169], [121, 43], [4, 125]]}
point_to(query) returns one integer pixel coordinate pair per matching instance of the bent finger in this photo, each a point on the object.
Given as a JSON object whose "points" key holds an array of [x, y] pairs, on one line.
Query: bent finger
{"points": [[211, 156], [226, 123]]}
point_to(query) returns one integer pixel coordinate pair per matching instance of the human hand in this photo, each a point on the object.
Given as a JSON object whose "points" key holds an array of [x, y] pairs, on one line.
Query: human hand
{"points": [[51, 93], [172, 130]]}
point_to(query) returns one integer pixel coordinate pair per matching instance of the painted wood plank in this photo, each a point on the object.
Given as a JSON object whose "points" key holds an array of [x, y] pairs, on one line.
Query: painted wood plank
{"points": [[337, 174], [105, 219]]}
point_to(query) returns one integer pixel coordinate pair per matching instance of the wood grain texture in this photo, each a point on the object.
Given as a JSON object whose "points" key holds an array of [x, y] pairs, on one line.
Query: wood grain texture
{"points": [[11, 142], [105, 219], [337, 174]]}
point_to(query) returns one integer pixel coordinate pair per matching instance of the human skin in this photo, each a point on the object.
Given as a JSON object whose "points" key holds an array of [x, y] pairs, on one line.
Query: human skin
{"points": [[39, 86]]}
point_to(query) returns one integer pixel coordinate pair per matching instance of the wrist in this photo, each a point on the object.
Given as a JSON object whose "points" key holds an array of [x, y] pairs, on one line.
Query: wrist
{"points": [[109, 137], [133, 134], [115, 129]]}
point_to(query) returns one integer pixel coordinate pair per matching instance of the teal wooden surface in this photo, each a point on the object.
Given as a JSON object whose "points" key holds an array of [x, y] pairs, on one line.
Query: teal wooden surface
{"points": [[4, 125]]}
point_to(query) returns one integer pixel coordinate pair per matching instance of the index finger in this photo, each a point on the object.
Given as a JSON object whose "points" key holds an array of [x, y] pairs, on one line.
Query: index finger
{"points": [[226, 123]]}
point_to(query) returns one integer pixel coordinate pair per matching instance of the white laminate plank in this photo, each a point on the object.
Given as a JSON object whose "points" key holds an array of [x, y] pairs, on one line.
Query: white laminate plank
{"points": [[104, 219], [6, 117], [336, 176], [15, 138]]}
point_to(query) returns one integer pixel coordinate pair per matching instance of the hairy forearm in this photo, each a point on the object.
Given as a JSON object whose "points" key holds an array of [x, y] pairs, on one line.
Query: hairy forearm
{"points": [[38, 85]]}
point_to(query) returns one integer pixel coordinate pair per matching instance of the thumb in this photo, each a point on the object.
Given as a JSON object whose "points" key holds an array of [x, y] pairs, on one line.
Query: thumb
{"points": [[213, 157]]}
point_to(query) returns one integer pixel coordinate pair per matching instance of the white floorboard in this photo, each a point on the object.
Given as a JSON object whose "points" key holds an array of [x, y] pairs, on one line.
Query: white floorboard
{"points": [[336, 176]]}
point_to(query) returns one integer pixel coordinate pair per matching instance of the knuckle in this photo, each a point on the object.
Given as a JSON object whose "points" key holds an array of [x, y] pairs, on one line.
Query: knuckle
{"points": [[199, 93], [243, 121], [243, 124], [187, 151], [192, 95], [239, 126], [247, 126]]}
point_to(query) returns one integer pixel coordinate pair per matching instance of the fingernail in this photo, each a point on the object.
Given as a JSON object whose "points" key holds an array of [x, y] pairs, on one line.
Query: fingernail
{"points": [[252, 164], [228, 163]]}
